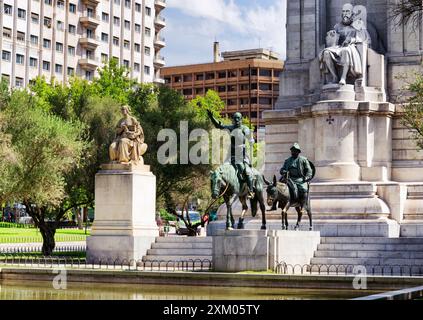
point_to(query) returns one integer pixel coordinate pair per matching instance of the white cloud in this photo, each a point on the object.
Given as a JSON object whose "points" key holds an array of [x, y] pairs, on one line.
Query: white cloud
{"points": [[195, 24]]}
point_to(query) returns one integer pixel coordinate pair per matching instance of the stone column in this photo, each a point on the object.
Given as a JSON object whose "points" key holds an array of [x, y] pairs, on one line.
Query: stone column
{"points": [[125, 209]]}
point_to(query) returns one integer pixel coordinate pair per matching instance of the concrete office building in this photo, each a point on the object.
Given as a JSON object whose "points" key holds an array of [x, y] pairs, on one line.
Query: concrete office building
{"points": [[61, 38], [247, 81]]}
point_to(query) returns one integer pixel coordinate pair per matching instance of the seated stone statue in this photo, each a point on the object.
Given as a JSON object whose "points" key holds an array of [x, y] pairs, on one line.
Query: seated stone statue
{"points": [[128, 146], [341, 58]]}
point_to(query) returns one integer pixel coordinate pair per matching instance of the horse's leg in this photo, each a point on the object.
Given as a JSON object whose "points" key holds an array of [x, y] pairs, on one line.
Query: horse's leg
{"points": [[263, 211], [228, 212], [231, 219], [300, 215], [243, 201]]}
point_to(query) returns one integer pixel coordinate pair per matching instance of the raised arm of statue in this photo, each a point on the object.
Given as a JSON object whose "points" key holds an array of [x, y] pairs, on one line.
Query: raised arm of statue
{"points": [[215, 122]]}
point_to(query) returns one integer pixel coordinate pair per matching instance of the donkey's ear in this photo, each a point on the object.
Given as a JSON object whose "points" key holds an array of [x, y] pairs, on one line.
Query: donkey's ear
{"points": [[275, 181], [267, 182]]}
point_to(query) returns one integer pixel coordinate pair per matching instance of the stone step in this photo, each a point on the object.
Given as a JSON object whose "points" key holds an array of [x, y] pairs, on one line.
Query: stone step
{"points": [[370, 247], [182, 245], [369, 254], [177, 258], [370, 240], [179, 251], [181, 239], [367, 261]]}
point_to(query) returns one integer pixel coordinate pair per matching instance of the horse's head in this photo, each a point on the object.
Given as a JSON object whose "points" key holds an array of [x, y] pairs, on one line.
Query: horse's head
{"points": [[272, 191], [216, 183]]}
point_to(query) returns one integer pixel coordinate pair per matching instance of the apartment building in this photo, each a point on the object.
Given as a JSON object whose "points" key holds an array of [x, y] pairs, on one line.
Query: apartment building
{"points": [[61, 38], [247, 81]]}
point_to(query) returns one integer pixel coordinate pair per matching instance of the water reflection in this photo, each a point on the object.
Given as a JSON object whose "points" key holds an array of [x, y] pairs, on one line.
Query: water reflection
{"points": [[13, 290]]}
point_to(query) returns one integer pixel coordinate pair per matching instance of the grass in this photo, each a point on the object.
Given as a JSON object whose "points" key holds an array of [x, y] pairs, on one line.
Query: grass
{"points": [[76, 254], [25, 235]]}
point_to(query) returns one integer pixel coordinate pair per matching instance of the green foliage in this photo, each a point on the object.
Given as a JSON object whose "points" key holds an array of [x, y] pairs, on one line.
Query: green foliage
{"points": [[211, 101], [114, 82], [46, 148], [166, 216], [413, 110]]}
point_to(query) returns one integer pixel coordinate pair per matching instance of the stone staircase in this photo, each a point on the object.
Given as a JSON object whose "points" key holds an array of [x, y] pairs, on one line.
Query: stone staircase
{"points": [[375, 253], [179, 248]]}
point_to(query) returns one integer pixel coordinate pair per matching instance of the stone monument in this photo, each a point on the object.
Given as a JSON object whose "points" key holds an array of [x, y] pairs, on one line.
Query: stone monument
{"points": [[125, 199], [339, 98]]}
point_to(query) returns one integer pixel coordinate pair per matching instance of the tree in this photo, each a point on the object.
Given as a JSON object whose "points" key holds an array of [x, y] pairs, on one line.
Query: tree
{"points": [[114, 82], [406, 11], [413, 110], [47, 148]]}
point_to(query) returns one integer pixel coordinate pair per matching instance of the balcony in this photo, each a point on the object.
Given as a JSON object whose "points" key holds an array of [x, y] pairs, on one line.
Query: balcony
{"points": [[89, 21], [159, 42], [159, 5], [159, 80], [90, 43], [159, 61], [159, 22], [89, 63], [91, 2]]}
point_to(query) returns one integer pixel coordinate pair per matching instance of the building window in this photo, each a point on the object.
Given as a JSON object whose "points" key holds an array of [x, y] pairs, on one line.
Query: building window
{"points": [[71, 50], [48, 2], [58, 68], [116, 1], [105, 17], [21, 14], [60, 4], [137, 28], [59, 47], [104, 57], [147, 70], [5, 55], [116, 41], [147, 51], [19, 82], [19, 59], [35, 18], [127, 25], [104, 37], [46, 43], [137, 67], [128, 3], [8, 9], [126, 44], [137, 7], [33, 62], [137, 47], [88, 75], [148, 32], [47, 22], [72, 8], [148, 11], [7, 33], [72, 29], [89, 54], [126, 63], [90, 12], [20, 36], [71, 71], [46, 65], [60, 25], [90, 34], [116, 21], [34, 39]]}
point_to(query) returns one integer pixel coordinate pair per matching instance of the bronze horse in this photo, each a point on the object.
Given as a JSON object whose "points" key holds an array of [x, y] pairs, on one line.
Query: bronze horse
{"points": [[225, 183], [278, 193]]}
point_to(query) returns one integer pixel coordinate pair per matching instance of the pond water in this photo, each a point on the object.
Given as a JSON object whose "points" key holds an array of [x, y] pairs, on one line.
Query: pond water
{"points": [[13, 290]]}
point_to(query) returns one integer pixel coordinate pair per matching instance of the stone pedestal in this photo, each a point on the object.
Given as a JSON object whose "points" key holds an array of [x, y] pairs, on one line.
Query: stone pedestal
{"points": [[257, 250], [125, 208]]}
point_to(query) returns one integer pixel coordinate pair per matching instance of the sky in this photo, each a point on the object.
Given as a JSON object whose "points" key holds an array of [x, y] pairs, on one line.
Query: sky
{"points": [[193, 25]]}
